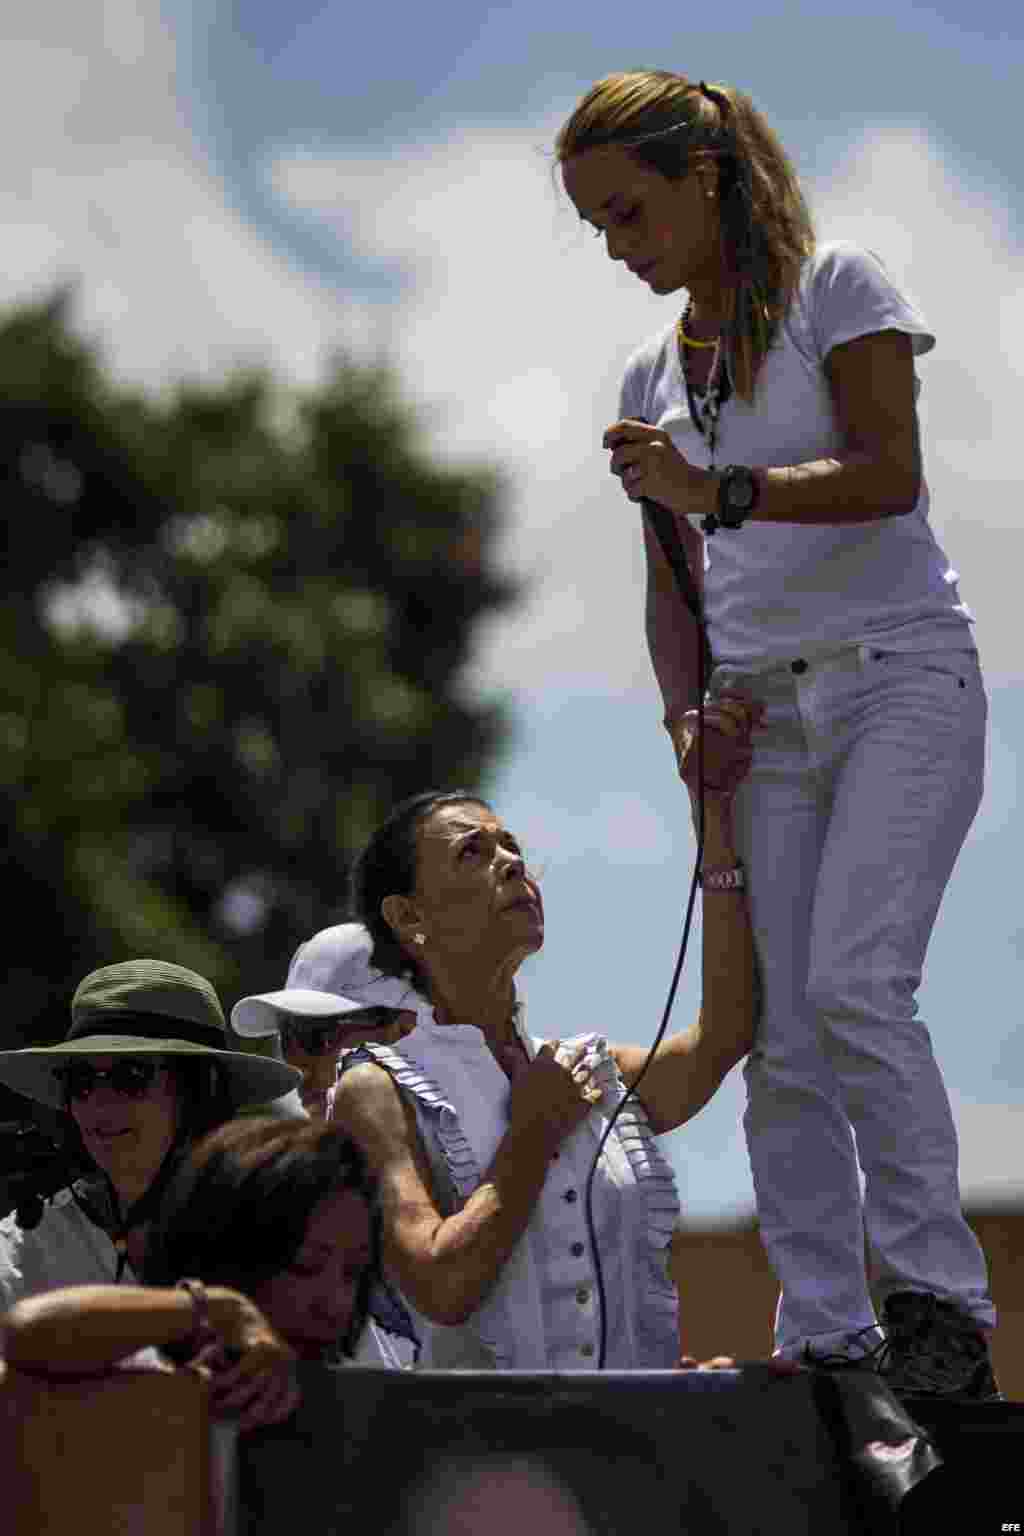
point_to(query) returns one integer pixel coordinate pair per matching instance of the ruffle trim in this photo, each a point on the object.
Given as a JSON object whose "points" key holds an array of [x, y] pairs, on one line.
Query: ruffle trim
{"points": [[458, 1155], [491, 1320], [657, 1312]]}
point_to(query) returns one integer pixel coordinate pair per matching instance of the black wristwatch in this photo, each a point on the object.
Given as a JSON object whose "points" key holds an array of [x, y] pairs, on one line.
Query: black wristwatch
{"points": [[738, 491]]}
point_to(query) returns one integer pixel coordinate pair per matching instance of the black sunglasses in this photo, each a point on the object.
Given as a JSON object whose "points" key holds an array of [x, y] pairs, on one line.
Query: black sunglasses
{"points": [[131, 1078], [318, 1039]]}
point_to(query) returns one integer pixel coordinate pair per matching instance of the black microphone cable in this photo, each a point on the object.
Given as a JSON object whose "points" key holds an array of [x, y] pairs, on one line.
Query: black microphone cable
{"points": [[663, 524]]}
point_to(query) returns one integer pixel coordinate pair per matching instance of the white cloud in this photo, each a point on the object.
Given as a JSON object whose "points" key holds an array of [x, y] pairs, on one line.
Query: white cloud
{"points": [[522, 328], [951, 244], [101, 185]]}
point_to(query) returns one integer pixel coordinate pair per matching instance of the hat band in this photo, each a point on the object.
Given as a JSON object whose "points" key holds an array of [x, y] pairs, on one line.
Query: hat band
{"points": [[149, 1026]]}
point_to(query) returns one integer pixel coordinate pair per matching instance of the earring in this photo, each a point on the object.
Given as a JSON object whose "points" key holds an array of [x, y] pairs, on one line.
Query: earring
{"points": [[419, 938]]}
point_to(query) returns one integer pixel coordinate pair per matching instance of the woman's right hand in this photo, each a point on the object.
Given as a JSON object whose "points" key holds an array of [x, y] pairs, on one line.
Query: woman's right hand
{"points": [[249, 1366], [552, 1095], [729, 722]]}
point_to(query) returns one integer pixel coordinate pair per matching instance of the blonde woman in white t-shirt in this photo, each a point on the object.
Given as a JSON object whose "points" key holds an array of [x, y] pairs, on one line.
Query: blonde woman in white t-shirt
{"points": [[775, 417]]}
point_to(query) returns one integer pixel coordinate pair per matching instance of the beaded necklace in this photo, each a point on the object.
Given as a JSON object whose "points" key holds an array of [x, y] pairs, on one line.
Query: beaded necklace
{"points": [[704, 411]]}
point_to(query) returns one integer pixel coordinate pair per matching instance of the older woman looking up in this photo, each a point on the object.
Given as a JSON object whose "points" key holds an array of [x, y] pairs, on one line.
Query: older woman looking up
{"points": [[482, 1137]]}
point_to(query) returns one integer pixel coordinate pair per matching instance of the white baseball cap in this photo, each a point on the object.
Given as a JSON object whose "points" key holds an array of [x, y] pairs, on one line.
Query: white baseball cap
{"points": [[337, 960], [262, 1013]]}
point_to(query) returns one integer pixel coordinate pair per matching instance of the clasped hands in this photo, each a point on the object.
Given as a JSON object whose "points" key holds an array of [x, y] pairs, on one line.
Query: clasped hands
{"points": [[651, 467], [557, 1091], [249, 1367], [729, 723]]}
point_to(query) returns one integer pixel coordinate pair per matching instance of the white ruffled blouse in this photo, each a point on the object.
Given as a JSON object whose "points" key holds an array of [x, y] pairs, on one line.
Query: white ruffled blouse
{"points": [[543, 1314]]}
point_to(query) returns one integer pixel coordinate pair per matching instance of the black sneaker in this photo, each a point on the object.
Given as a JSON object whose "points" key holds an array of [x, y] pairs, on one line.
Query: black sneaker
{"points": [[859, 1355], [933, 1349]]}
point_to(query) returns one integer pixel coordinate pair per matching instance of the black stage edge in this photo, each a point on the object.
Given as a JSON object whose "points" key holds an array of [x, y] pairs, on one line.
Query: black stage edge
{"points": [[623, 1453]]}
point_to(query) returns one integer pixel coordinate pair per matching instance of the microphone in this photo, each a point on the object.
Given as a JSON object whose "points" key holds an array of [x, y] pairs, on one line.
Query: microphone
{"points": [[663, 521], [664, 524]]}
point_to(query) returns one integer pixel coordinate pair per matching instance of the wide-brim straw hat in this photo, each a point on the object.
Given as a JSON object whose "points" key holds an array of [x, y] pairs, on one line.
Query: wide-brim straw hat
{"points": [[146, 1008]]}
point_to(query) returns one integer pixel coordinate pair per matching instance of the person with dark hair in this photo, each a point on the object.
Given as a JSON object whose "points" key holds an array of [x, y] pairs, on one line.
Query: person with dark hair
{"points": [[144, 1071], [280, 1210], [775, 420], [263, 1253], [483, 1137], [314, 1023]]}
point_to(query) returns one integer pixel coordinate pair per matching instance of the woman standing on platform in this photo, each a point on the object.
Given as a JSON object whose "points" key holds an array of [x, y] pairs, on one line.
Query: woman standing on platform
{"points": [[482, 1137], [776, 416]]}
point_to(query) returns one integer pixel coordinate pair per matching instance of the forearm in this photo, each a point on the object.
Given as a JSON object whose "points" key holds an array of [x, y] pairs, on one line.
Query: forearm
{"points": [[85, 1328], [689, 1067], [450, 1270], [673, 639], [855, 488], [730, 985]]}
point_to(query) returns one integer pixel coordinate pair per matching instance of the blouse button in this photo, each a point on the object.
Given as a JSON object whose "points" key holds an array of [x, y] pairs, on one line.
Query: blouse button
{"points": [[583, 1295], [586, 1349], [577, 1250], [571, 1196]]}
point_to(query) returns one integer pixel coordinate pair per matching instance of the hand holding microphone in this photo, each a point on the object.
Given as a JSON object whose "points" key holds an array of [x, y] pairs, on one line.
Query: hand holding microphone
{"points": [[652, 468]]}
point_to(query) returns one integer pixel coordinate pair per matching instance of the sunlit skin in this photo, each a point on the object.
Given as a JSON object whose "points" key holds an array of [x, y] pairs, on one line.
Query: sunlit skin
{"points": [[480, 912], [318, 1076], [310, 1303], [667, 232], [128, 1138]]}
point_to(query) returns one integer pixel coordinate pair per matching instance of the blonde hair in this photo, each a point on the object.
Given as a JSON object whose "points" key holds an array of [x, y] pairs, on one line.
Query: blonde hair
{"points": [[668, 123]]}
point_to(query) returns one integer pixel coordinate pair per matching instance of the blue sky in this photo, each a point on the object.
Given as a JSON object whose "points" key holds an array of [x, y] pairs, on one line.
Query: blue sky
{"points": [[229, 181]]}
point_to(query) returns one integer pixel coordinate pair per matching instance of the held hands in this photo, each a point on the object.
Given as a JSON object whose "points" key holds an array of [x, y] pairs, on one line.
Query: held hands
{"points": [[554, 1094], [727, 1363], [729, 722], [248, 1367], [650, 465]]}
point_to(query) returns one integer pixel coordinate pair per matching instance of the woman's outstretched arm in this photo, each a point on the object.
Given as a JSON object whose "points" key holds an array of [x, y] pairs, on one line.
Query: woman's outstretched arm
{"points": [[688, 1067]]}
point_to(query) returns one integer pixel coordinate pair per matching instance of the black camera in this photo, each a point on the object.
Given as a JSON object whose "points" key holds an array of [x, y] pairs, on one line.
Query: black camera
{"points": [[33, 1166]]}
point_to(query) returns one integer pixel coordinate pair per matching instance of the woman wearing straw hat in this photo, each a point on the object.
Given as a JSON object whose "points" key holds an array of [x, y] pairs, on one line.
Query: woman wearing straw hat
{"points": [[144, 1071]]}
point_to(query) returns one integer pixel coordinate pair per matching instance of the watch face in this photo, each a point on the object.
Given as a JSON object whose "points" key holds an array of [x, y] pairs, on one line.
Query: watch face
{"points": [[740, 491]]}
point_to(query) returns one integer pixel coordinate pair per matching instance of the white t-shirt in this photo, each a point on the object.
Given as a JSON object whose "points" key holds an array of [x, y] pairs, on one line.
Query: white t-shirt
{"points": [[775, 591]]}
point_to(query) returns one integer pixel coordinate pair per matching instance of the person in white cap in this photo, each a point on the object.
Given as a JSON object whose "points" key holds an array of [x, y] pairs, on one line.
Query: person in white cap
{"points": [[314, 1024]]}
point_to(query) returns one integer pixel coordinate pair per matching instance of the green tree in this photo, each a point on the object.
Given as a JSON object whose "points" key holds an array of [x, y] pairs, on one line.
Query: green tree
{"points": [[236, 625]]}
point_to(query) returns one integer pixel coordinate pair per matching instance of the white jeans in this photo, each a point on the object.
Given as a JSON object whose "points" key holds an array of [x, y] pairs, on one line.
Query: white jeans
{"points": [[866, 777]]}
